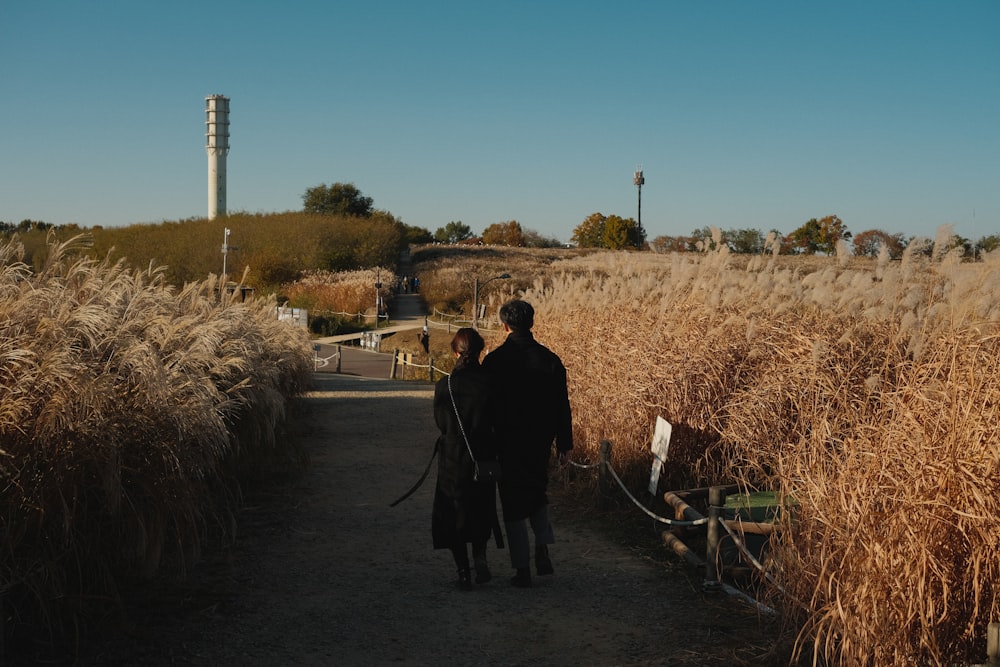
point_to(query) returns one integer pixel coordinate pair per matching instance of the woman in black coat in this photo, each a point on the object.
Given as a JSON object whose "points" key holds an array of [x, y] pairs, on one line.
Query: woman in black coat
{"points": [[465, 509]]}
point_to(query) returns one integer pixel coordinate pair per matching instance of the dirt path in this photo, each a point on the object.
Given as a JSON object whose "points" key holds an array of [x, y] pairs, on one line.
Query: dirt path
{"points": [[326, 573]]}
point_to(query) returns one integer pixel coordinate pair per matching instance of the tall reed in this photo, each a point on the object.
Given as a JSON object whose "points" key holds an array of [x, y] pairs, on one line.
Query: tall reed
{"points": [[126, 409], [866, 392]]}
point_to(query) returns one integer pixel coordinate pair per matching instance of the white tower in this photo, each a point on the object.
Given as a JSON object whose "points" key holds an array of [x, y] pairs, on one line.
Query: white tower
{"points": [[217, 145]]}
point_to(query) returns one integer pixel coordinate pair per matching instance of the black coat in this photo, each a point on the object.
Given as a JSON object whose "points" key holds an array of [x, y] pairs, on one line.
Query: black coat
{"points": [[464, 510], [531, 383]]}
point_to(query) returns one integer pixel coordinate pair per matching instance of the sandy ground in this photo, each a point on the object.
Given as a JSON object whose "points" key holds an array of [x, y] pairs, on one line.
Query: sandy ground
{"points": [[324, 572]]}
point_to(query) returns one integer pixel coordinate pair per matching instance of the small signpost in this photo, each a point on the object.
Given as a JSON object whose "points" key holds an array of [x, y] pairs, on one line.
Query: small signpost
{"points": [[661, 441]]}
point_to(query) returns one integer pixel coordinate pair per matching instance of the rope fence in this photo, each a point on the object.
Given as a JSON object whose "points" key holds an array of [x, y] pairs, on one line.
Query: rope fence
{"points": [[716, 525], [670, 522], [353, 316], [693, 519], [456, 322], [403, 360]]}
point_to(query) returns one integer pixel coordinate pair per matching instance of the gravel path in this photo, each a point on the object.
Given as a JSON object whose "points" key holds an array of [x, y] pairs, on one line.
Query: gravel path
{"points": [[324, 572]]}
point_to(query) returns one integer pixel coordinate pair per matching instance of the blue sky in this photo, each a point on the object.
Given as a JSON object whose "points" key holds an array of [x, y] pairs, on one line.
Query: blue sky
{"points": [[742, 114]]}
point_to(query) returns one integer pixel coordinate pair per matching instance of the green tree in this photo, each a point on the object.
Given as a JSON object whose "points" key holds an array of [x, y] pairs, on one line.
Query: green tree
{"points": [[709, 237], [590, 232], [504, 233], [453, 232], [33, 226], [988, 243], [619, 233], [870, 242], [960, 242], [745, 241], [417, 235], [612, 231], [803, 241], [818, 236], [670, 244], [337, 199], [533, 239]]}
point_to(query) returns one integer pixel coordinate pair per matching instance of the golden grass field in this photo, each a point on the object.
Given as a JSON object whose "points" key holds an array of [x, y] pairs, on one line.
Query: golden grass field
{"points": [[865, 391]]}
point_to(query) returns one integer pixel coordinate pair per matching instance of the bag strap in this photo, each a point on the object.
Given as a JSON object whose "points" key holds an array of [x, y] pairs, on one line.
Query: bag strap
{"points": [[419, 481], [459, 419]]}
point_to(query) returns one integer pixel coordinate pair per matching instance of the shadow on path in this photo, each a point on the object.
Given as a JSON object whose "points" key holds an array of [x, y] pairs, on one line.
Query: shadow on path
{"points": [[325, 573]]}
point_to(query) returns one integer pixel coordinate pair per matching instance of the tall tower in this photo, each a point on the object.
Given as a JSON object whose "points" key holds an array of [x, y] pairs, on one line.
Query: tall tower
{"points": [[217, 145], [639, 180]]}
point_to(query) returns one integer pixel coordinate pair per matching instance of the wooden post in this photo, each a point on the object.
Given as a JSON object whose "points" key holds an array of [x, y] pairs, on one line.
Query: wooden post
{"points": [[392, 366], [716, 504], [993, 644], [604, 476], [430, 367], [338, 358]]}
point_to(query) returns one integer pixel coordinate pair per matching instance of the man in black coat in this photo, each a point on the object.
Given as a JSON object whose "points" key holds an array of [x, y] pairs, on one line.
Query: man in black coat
{"points": [[531, 387]]}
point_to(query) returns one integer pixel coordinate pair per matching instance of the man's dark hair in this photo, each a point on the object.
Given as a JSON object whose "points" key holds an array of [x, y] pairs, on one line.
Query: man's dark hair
{"points": [[518, 315]]}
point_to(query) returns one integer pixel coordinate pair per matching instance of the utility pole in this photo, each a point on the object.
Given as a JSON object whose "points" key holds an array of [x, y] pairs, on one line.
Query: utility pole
{"points": [[475, 296], [638, 179], [378, 296], [225, 252]]}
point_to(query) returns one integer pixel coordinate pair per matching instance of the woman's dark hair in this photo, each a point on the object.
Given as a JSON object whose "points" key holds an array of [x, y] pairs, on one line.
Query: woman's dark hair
{"points": [[518, 315], [469, 345]]}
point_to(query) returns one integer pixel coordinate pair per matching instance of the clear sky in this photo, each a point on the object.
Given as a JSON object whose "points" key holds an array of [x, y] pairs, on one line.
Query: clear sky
{"points": [[743, 114]]}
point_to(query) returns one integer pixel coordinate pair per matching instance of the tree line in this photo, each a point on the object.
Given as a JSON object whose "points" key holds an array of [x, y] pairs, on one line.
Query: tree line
{"points": [[817, 236], [349, 229]]}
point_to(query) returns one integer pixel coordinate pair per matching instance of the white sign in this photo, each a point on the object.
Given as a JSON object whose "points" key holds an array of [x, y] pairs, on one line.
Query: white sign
{"points": [[661, 442], [297, 316]]}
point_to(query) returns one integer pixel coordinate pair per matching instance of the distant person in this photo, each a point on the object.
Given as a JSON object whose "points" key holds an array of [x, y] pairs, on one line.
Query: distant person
{"points": [[531, 388], [465, 510], [425, 340]]}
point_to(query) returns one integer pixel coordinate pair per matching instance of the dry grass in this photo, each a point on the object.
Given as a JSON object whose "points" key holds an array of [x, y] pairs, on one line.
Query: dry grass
{"points": [[865, 390], [127, 408], [447, 273], [339, 301], [347, 292]]}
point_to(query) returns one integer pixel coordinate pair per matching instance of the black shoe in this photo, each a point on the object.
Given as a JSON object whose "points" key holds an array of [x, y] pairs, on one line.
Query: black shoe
{"points": [[543, 564], [522, 579], [465, 580], [483, 574]]}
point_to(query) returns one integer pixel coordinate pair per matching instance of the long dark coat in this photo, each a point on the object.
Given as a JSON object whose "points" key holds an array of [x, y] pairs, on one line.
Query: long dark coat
{"points": [[531, 384], [464, 510]]}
